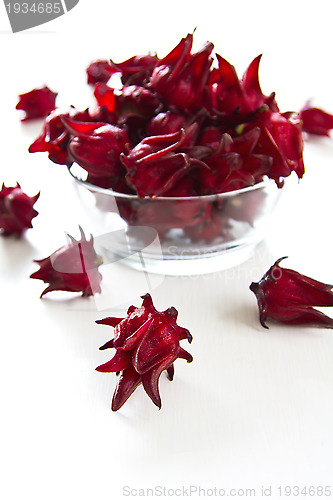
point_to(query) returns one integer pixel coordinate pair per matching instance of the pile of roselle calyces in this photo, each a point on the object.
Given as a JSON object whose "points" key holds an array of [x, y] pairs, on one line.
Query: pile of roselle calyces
{"points": [[180, 126]]}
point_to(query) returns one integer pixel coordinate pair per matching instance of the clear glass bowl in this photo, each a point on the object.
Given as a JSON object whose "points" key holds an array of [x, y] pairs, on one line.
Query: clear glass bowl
{"points": [[181, 235]]}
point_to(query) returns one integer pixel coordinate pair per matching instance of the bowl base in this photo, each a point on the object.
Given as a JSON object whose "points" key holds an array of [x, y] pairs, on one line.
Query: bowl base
{"points": [[190, 266]]}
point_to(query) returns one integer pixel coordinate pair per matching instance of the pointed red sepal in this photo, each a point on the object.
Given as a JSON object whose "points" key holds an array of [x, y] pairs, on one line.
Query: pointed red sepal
{"points": [[110, 321], [129, 380], [119, 362]]}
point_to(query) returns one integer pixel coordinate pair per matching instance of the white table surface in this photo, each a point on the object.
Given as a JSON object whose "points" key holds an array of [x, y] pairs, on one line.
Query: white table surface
{"points": [[254, 409]]}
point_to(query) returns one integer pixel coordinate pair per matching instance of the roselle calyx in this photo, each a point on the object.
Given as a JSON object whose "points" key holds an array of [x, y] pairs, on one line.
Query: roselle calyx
{"points": [[137, 69], [54, 138], [71, 268], [146, 343], [132, 100], [37, 103], [180, 77], [287, 296], [237, 100], [316, 121], [16, 210], [99, 71], [96, 146]]}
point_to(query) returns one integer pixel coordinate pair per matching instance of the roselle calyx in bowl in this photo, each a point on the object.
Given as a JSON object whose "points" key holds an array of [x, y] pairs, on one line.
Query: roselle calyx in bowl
{"points": [[185, 147]]}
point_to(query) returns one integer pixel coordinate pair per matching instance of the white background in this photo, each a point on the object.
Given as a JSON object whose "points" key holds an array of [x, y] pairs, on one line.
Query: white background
{"points": [[255, 407]]}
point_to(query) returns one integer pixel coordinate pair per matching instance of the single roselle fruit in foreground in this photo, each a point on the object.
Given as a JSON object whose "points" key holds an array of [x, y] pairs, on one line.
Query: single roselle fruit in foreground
{"points": [[37, 103], [146, 343], [71, 268], [316, 121], [288, 297], [16, 210]]}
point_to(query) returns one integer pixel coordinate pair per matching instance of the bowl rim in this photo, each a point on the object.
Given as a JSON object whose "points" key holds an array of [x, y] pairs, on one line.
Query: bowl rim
{"points": [[207, 197]]}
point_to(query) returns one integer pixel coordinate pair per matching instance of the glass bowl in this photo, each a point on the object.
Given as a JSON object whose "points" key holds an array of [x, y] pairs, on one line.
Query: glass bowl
{"points": [[178, 235]]}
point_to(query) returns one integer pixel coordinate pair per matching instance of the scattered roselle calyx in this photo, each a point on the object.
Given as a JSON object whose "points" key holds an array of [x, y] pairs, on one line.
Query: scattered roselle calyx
{"points": [[238, 138], [16, 210], [37, 103], [71, 268], [286, 296], [146, 343], [316, 121]]}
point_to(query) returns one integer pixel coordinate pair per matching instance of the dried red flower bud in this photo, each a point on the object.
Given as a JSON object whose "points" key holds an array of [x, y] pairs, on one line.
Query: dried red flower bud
{"points": [[37, 103], [96, 146], [133, 100], [231, 161], [180, 77], [16, 210], [235, 101], [281, 138], [166, 122], [137, 69], [100, 71], [155, 165], [138, 101], [286, 296], [316, 121], [54, 138], [146, 343], [71, 268]]}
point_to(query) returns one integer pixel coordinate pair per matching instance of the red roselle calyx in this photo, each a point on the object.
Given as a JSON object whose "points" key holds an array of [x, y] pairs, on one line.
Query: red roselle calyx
{"points": [[180, 77], [71, 268], [16, 210], [54, 138], [96, 147], [146, 343], [137, 69], [156, 164], [37, 103], [286, 296], [99, 71], [316, 121]]}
